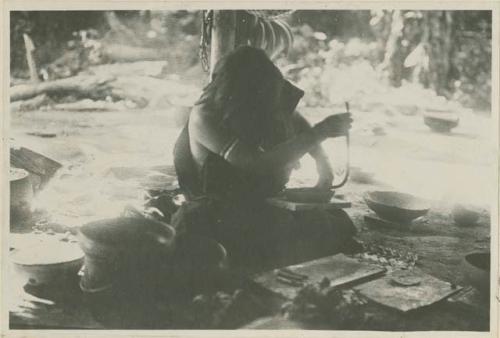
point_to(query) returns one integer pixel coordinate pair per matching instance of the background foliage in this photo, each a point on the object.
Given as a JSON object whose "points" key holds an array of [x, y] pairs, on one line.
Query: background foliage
{"points": [[448, 52]]}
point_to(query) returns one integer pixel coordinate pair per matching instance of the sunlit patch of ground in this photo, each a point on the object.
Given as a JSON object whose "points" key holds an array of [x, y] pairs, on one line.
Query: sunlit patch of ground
{"points": [[459, 166], [437, 166], [397, 148], [84, 189]]}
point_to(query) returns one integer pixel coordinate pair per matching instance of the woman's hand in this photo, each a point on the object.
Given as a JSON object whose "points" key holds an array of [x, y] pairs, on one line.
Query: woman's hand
{"points": [[334, 125]]}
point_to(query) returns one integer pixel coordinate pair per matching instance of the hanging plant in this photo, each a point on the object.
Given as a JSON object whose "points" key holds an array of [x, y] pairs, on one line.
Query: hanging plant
{"points": [[269, 33], [258, 28]]}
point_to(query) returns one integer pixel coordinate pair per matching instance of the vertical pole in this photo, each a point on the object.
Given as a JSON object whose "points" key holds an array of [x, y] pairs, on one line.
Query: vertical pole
{"points": [[30, 59], [223, 36]]}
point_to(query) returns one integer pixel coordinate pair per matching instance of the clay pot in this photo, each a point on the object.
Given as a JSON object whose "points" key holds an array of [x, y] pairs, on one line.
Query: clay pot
{"points": [[477, 271], [123, 245], [21, 194], [464, 215], [441, 122]]}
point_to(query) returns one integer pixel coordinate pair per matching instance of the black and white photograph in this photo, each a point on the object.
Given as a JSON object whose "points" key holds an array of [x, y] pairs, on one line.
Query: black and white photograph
{"points": [[255, 168]]}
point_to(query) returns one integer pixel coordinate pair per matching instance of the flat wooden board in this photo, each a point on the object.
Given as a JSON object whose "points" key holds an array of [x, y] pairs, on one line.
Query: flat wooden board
{"points": [[33, 162], [336, 202], [339, 269], [406, 298]]}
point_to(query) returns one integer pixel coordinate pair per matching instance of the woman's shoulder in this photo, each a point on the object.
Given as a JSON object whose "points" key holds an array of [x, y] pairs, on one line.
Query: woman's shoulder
{"points": [[202, 111], [201, 116]]}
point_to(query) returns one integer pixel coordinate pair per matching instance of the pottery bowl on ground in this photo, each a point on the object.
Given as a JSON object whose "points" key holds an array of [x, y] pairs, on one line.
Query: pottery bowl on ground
{"points": [[477, 271], [48, 263], [441, 122], [396, 206], [464, 215], [307, 195]]}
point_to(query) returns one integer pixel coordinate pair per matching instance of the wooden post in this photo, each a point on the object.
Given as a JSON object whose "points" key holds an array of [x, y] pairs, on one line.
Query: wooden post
{"points": [[30, 49], [223, 35]]}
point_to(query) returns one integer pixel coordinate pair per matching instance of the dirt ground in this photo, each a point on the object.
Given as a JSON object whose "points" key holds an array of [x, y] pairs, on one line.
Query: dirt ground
{"points": [[390, 145]]}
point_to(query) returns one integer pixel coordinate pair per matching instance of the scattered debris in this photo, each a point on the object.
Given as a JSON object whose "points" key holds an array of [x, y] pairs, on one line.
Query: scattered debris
{"points": [[386, 257], [224, 310], [321, 303], [43, 134]]}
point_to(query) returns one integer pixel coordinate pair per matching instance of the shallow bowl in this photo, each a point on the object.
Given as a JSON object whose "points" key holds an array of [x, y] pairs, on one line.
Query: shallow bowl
{"points": [[396, 206]]}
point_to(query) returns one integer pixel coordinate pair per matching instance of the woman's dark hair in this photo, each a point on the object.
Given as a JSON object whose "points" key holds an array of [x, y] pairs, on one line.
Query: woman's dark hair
{"points": [[244, 90]]}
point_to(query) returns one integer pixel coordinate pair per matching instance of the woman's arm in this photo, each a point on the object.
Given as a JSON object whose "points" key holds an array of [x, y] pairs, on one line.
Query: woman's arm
{"points": [[206, 131], [323, 165]]}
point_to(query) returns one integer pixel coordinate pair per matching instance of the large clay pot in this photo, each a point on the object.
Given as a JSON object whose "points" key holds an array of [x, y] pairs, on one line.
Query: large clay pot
{"points": [[119, 248]]}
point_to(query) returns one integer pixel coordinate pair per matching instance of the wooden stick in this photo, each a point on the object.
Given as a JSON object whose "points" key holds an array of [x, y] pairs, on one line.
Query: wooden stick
{"points": [[30, 49], [290, 277], [289, 282]]}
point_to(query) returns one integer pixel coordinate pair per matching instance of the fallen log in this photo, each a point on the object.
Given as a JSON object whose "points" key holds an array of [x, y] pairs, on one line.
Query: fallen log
{"points": [[90, 86], [31, 104]]}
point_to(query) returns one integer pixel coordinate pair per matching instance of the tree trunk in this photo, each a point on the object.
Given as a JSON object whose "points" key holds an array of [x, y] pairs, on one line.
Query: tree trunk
{"points": [[393, 62], [439, 44], [223, 36]]}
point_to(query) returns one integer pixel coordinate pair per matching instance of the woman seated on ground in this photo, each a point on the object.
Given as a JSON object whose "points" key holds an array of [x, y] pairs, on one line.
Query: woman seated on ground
{"points": [[242, 140]]}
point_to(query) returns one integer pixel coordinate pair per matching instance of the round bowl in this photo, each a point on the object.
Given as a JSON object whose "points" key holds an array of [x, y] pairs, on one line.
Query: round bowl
{"points": [[51, 263], [308, 195], [464, 215], [441, 122], [477, 271], [396, 206]]}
